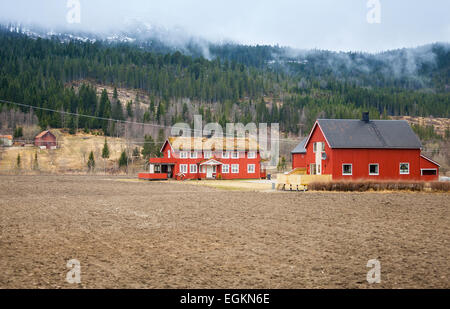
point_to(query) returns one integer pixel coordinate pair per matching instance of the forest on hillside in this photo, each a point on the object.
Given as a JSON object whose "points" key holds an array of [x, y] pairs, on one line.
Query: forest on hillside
{"points": [[236, 86]]}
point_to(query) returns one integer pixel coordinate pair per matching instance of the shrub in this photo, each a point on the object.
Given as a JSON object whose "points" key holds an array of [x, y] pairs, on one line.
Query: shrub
{"points": [[364, 186], [440, 186]]}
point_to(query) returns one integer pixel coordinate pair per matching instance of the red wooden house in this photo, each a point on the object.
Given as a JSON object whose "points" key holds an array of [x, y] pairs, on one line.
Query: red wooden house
{"points": [[206, 158], [45, 139], [364, 150]]}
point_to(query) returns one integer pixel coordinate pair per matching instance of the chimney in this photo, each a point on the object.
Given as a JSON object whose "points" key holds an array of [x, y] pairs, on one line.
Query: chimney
{"points": [[365, 117]]}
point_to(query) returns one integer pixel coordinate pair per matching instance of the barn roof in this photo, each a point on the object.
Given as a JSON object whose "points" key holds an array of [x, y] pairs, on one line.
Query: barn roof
{"points": [[376, 134], [300, 147], [43, 133]]}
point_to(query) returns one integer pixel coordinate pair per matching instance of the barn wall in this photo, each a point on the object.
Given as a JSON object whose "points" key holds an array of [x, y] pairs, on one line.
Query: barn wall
{"points": [[388, 159], [426, 164]]}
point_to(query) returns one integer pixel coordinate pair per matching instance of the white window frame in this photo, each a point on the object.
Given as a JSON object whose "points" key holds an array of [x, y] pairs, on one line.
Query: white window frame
{"points": [[249, 171], [235, 155], [225, 168], [351, 166], [168, 154], [252, 156], [183, 155], [428, 169], [193, 155], [207, 154], [183, 168], [400, 168], [225, 155], [193, 169], [233, 170], [378, 169]]}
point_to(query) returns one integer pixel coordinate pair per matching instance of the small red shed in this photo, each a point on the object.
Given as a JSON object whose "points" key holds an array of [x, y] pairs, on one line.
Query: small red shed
{"points": [[364, 150], [45, 139]]}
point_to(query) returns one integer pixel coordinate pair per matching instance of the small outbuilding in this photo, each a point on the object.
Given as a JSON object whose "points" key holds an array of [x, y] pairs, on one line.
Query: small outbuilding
{"points": [[45, 140], [6, 140]]}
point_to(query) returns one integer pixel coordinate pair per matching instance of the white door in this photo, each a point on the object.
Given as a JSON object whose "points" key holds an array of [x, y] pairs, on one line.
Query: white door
{"points": [[209, 172]]}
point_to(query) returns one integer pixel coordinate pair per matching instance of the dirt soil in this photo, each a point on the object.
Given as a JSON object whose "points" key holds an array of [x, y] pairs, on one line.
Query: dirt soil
{"points": [[129, 234]]}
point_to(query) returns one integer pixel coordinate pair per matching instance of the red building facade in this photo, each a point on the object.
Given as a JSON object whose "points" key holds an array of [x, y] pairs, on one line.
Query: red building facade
{"points": [[203, 158], [364, 150], [45, 139]]}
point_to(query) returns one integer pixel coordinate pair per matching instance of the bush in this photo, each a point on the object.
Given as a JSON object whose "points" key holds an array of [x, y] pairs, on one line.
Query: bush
{"points": [[364, 186], [440, 186]]}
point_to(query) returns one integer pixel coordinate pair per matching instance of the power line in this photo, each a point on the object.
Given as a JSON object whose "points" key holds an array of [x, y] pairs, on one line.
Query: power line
{"points": [[118, 120]]}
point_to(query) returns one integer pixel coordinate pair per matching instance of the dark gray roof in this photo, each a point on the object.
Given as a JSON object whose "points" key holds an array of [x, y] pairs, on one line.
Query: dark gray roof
{"points": [[301, 147], [384, 134]]}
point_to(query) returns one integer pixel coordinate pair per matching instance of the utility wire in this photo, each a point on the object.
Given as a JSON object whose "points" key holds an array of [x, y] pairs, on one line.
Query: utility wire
{"points": [[117, 120]]}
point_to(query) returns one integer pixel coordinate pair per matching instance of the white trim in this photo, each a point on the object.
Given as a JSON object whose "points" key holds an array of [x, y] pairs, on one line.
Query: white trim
{"points": [[209, 156], [343, 169], [183, 168], [248, 168], [232, 169], [409, 168], [211, 162], [310, 134], [378, 168], [428, 159], [227, 168], [254, 156], [428, 169], [184, 155]]}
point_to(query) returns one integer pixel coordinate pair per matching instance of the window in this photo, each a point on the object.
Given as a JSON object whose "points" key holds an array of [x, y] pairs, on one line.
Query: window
{"points": [[168, 154], [313, 169], [208, 154], [194, 155], [252, 155], [347, 169], [318, 147], [429, 172], [183, 168], [183, 155], [225, 155], [235, 168], [251, 168], [374, 169], [235, 155], [225, 169], [404, 168], [193, 168], [203, 169], [214, 169]]}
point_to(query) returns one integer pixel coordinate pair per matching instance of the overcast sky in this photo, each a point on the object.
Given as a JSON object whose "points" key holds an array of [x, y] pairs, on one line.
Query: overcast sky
{"points": [[305, 24]]}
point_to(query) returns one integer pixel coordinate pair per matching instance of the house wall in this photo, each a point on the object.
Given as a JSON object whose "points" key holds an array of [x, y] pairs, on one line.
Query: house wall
{"points": [[426, 164], [298, 160], [242, 161], [388, 160]]}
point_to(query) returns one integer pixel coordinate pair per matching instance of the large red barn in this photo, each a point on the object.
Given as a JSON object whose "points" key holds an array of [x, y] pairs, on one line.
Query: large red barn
{"points": [[207, 158], [364, 150]]}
